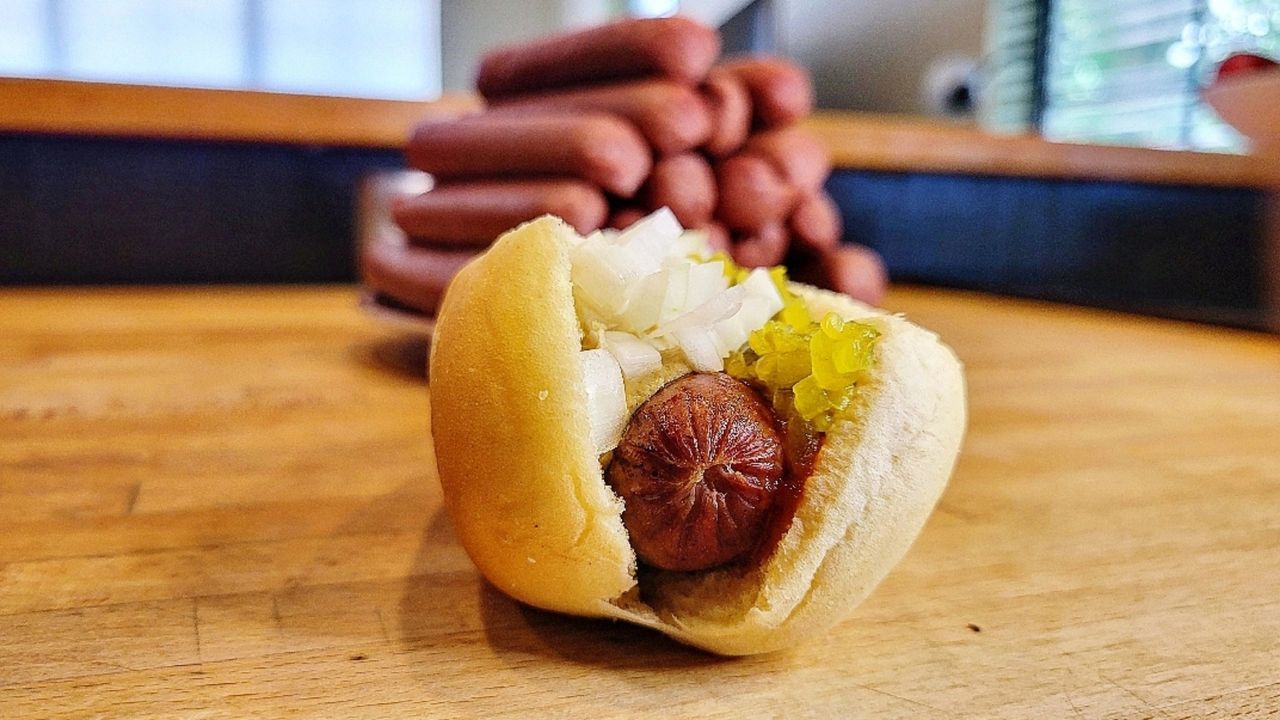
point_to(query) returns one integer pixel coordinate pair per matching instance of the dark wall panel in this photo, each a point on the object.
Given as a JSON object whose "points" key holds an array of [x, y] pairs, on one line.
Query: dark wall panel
{"points": [[1174, 250], [116, 211], [95, 211]]}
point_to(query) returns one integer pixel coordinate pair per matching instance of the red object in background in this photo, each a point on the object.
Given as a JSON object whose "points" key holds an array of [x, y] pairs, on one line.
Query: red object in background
{"points": [[1245, 94], [1242, 63]]}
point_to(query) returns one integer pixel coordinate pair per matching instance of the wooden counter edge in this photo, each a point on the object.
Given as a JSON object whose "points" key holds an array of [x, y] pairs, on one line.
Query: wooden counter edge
{"points": [[889, 143], [65, 107], [862, 141]]}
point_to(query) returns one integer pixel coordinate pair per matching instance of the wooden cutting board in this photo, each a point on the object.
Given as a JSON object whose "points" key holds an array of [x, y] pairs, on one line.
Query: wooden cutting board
{"points": [[222, 503]]}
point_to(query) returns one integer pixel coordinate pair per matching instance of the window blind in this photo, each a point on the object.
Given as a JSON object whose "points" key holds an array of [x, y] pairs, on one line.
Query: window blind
{"points": [[1014, 38], [1110, 74], [1119, 71]]}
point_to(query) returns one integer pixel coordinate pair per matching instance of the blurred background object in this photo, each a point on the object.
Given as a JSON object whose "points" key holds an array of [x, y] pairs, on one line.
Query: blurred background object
{"points": [[933, 110], [1245, 93], [373, 48], [1119, 72]]}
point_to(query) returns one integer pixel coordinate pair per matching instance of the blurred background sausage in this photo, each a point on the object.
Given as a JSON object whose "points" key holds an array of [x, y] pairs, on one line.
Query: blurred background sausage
{"points": [[603, 126], [625, 216], [752, 194], [686, 184], [730, 107], [795, 154], [856, 271], [412, 276], [718, 237], [672, 117], [476, 212], [765, 247], [601, 149], [781, 92], [815, 224], [675, 48]]}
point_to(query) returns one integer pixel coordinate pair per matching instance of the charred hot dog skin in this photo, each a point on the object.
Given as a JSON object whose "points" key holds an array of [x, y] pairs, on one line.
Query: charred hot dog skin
{"points": [[698, 468]]}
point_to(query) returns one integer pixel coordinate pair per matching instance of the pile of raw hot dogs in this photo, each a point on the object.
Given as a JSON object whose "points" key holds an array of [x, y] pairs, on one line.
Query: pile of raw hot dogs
{"points": [[604, 125]]}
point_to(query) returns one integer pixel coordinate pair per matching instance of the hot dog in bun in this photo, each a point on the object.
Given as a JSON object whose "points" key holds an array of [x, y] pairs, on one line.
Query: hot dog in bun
{"points": [[629, 427]]}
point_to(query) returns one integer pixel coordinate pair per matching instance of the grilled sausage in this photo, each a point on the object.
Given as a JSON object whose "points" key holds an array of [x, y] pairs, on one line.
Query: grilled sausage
{"points": [[718, 237], [624, 217], [697, 468]]}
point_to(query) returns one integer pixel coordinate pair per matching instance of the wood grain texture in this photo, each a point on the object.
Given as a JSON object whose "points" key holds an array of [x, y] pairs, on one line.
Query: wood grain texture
{"points": [[221, 503]]}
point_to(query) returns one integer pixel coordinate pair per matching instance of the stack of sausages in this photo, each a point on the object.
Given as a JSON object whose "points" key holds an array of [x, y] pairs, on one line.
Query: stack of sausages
{"points": [[605, 125]]}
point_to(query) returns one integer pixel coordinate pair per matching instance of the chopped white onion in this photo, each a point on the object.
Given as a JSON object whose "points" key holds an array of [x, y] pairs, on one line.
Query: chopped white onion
{"points": [[699, 347], [716, 308], [705, 280], [644, 303], [759, 284], [640, 294], [732, 332], [606, 398], [636, 357], [595, 279], [693, 243], [673, 301], [652, 236]]}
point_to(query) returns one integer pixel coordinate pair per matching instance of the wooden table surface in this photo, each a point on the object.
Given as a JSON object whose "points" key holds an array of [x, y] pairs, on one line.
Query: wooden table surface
{"points": [[222, 503]]}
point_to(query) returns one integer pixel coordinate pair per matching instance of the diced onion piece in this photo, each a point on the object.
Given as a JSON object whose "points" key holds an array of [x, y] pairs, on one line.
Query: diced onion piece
{"points": [[673, 301], [606, 398], [636, 357], [705, 280], [661, 342], [597, 280], [730, 333], [637, 259], [644, 303], [755, 312], [720, 306], [699, 347], [758, 284], [653, 235], [692, 243]]}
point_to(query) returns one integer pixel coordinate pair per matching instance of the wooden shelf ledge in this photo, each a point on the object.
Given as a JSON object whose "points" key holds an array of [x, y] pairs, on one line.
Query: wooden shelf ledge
{"points": [[856, 140], [103, 109], [901, 144]]}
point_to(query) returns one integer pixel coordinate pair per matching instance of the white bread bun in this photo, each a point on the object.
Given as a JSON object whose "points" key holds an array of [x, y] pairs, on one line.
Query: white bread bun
{"points": [[527, 495]]}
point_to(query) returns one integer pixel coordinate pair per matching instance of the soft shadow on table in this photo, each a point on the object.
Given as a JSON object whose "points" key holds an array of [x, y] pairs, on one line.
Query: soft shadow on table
{"points": [[404, 354], [515, 631], [607, 644]]}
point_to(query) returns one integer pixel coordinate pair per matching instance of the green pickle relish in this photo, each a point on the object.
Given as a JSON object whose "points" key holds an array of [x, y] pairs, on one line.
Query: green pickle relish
{"points": [[809, 370]]}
